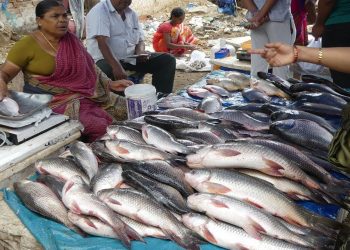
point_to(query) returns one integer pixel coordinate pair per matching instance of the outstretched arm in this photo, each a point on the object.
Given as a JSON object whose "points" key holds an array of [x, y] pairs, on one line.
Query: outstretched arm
{"points": [[279, 54], [7, 72]]}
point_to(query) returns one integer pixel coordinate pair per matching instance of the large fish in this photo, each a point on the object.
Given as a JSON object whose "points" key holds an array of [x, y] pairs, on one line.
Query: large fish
{"points": [[40, 199], [85, 158], [108, 176], [169, 122], [260, 194], [63, 169], [163, 140], [210, 104], [268, 88], [255, 96], [102, 152], [317, 108], [314, 87], [53, 183], [232, 237], [79, 199], [277, 81], [217, 90], [291, 188], [200, 136], [253, 220], [324, 98], [130, 151], [242, 118], [251, 107], [244, 154], [176, 101], [142, 208], [199, 92], [305, 133], [229, 84], [163, 172], [164, 194], [9, 107], [298, 114], [187, 113], [125, 133]]}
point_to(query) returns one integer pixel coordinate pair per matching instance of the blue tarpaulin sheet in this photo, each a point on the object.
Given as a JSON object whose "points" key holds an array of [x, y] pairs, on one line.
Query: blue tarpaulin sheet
{"points": [[53, 235]]}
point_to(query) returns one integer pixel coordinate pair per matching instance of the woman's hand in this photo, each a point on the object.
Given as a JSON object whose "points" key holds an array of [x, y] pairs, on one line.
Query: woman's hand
{"points": [[3, 90], [276, 54], [120, 85], [119, 73]]}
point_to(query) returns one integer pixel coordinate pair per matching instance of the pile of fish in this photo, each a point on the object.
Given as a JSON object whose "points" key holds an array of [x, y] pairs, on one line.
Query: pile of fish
{"points": [[231, 177]]}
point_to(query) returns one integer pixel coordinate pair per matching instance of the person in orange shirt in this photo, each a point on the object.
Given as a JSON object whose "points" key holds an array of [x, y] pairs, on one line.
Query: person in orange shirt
{"points": [[173, 36]]}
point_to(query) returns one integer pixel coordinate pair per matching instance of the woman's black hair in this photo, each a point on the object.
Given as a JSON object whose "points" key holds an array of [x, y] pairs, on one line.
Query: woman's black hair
{"points": [[45, 5], [177, 12]]}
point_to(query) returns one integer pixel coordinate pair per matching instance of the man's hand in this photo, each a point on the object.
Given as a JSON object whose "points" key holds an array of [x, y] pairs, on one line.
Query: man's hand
{"points": [[257, 20], [119, 73], [120, 85], [317, 30]]}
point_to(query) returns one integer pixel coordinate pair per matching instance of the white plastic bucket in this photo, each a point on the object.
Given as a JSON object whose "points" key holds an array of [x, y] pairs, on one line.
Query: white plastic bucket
{"points": [[140, 98]]}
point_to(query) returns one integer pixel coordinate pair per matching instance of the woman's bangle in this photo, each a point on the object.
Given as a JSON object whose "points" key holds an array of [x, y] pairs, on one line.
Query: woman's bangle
{"points": [[320, 55], [296, 54]]}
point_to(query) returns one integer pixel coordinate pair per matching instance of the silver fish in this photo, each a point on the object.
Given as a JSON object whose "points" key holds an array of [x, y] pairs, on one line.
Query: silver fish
{"points": [[79, 199], [253, 220], [164, 194], [210, 104], [142, 208], [231, 237], [187, 113], [108, 176], [243, 154], [92, 225], [85, 157], [217, 90], [176, 101], [53, 183], [200, 136], [40, 199], [9, 107], [267, 88], [291, 188], [199, 92], [165, 172], [135, 152], [125, 133], [163, 140], [61, 168], [258, 193]]}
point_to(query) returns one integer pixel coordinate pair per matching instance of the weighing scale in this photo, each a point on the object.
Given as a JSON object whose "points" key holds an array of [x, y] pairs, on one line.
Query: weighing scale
{"points": [[34, 118]]}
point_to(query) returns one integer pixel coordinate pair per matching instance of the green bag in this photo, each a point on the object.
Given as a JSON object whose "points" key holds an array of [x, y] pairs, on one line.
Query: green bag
{"points": [[339, 150]]}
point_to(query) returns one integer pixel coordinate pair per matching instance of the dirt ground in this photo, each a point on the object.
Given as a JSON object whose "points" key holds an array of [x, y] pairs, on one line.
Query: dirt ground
{"points": [[215, 25]]}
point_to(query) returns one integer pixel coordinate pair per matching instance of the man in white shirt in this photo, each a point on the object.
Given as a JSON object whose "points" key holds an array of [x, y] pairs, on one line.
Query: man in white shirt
{"points": [[272, 21], [114, 37]]}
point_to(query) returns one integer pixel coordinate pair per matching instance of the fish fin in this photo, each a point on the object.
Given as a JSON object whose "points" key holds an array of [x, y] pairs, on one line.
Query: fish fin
{"points": [[90, 223], [253, 203], [123, 237], [241, 247], [69, 186], [132, 233], [215, 187], [228, 152], [218, 203], [144, 132], [122, 150], [113, 201], [209, 236], [188, 243], [75, 208], [311, 183], [42, 170], [273, 167], [139, 219], [254, 229], [292, 221]]}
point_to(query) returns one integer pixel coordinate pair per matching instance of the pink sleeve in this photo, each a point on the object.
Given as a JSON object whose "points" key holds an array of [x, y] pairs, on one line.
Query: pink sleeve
{"points": [[164, 28]]}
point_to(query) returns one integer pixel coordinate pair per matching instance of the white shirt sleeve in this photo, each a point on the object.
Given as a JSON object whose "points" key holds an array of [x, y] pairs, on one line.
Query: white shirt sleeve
{"points": [[98, 23]]}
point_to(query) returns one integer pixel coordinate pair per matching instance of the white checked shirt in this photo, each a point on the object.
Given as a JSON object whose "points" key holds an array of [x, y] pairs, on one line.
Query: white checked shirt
{"points": [[104, 20]]}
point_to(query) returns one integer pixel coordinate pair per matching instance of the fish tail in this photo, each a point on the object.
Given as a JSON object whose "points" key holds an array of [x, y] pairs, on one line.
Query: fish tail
{"points": [[123, 237], [321, 242], [325, 225], [132, 233], [188, 240]]}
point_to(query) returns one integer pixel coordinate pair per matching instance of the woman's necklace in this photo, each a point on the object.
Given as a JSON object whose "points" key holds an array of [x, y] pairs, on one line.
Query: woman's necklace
{"points": [[47, 40]]}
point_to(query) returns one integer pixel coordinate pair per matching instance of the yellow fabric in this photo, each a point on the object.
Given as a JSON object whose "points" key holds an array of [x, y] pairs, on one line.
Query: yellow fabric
{"points": [[28, 55]]}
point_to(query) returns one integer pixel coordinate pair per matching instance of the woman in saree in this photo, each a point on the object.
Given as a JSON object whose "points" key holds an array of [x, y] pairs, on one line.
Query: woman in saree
{"points": [[55, 62], [173, 36]]}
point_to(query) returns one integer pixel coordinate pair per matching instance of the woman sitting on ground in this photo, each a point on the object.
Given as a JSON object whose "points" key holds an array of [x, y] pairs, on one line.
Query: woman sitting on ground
{"points": [[173, 36], [55, 62]]}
